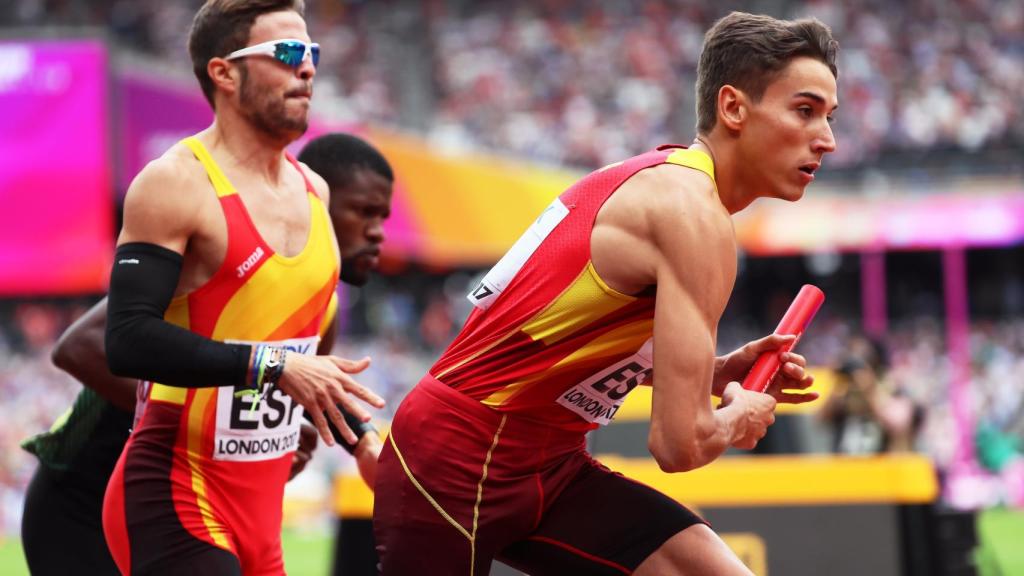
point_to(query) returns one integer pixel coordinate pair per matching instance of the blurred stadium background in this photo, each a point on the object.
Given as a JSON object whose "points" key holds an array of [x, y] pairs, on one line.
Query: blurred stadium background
{"points": [[487, 109]]}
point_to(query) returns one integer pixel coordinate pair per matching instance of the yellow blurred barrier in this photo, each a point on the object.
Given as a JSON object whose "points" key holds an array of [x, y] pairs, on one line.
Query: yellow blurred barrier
{"points": [[750, 548], [747, 481], [781, 480], [352, 497]]}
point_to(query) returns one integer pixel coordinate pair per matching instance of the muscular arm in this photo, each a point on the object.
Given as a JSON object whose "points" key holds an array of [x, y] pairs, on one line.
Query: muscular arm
{"points": [[161, 215], [80, 352], [694, 245], [682, 240]]}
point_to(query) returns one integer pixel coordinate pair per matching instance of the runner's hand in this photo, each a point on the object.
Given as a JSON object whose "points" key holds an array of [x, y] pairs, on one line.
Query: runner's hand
{"points": [[792, 376], [320, 383], [735, 365], [758, 414], [367, 453]]}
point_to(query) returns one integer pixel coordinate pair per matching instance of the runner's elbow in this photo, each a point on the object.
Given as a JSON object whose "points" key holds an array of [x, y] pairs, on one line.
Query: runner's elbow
{"points": [[61, 356], [72, 352], [673, 456]]}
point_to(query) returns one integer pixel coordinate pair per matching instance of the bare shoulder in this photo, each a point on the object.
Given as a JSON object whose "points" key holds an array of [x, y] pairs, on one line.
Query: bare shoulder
{"points": [[669, 203], [686, 200], [170, 178], [662, 214], [318, 182], [692, 239], [164, 200]]}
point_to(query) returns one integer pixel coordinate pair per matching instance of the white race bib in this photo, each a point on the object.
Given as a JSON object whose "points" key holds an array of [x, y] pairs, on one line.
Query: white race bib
{"points": [[598, 398], [245, 434], [499, 277]]}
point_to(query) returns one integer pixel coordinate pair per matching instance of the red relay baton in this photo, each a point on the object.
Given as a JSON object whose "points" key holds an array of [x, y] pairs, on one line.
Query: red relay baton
{"points": [[795, 321]]}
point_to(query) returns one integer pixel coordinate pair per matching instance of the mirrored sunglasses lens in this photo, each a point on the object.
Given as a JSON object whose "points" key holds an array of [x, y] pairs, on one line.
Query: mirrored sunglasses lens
{"points": [[290, 53], [315, 50]]}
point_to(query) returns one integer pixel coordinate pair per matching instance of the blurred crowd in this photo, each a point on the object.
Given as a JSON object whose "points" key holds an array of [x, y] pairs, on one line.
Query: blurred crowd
{"points": [[592, 82], [33, 393], [588, 82]]}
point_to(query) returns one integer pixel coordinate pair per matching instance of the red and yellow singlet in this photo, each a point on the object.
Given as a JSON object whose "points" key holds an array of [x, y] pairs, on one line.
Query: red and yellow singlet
{"points": [[228, 455], [548, 339]]}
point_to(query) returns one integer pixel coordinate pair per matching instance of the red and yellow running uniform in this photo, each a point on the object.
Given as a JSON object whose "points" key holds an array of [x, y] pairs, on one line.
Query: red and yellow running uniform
{"points": [[548, 338], [486, 457], [207, 466]]}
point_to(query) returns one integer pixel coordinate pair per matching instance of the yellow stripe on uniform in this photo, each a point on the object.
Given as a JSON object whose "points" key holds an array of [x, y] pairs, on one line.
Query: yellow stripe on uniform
{"points": [[480, 493], [169, 394], [693, 159], [245, 317], [220, 182], [177, 314], [587, 299], [622, 340], [330, 316], [197, 411]]}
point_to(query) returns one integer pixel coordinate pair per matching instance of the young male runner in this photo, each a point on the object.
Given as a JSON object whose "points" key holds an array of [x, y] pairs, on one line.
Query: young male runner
{"points": [[620, 281]]}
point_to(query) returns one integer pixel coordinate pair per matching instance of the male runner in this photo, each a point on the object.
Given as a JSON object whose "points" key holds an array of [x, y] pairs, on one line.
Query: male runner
{"points": [[224, 271], [621, 280], [77, 456]]}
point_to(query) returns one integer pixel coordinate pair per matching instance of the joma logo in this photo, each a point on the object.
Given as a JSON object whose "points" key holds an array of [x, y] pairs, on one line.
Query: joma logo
{"points": [[251, 261]]}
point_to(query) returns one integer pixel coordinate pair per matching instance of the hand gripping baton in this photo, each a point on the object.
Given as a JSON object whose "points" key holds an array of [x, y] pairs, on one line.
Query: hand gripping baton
{"points": [[795, 321]]}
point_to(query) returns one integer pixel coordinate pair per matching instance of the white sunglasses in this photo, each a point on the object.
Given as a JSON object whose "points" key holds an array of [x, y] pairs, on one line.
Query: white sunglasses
{"points": [[288, 51]]}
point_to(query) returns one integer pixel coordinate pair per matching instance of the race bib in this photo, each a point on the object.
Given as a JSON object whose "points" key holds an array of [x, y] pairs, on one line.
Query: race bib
{"points": [[249, 429], [499, 277], [598, 398]]}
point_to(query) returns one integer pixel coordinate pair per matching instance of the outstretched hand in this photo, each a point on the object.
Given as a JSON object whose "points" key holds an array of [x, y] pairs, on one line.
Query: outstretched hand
{"points": [[321, 383], [792, 376]]}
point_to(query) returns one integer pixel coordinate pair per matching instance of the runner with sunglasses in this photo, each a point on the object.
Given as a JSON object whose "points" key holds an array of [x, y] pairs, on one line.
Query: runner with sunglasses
{"points": [[224, 273], [77, 454]]}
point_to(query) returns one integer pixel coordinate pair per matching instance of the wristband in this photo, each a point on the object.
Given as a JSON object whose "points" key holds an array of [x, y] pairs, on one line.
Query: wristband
{"points": [[265, 370], [272, 366], [359, 427]]}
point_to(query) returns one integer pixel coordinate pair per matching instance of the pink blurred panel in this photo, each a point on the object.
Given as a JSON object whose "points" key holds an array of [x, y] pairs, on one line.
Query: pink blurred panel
{"points": [[931, 222], [153, 115], [56, 233]]}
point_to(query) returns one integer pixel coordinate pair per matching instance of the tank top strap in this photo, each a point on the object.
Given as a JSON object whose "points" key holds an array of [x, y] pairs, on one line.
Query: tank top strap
{"points": [[309, 185], [221, 184], [695, 159]]}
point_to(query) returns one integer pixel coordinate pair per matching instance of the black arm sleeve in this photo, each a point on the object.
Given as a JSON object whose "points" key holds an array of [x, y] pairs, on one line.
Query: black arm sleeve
{"points": [[141, 344], [357, 426]]}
